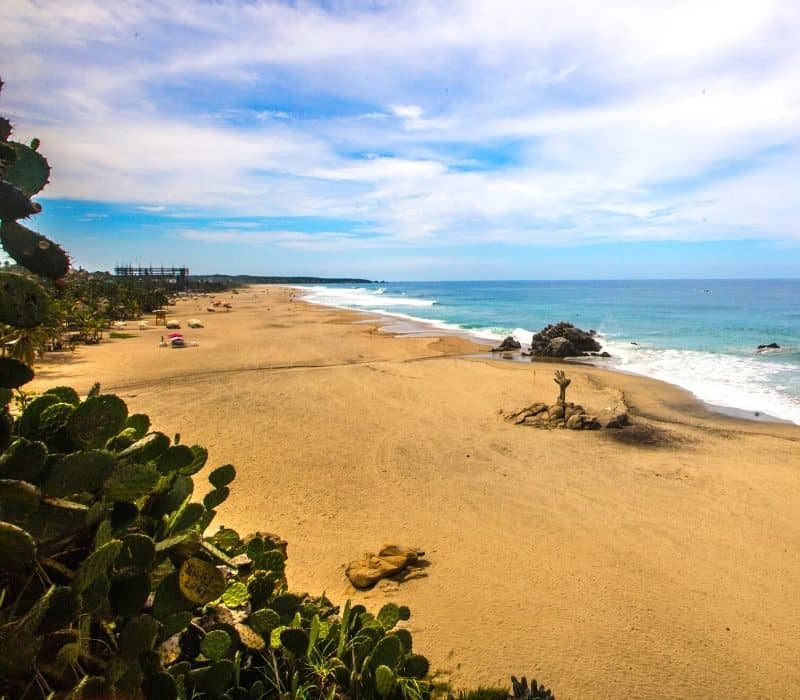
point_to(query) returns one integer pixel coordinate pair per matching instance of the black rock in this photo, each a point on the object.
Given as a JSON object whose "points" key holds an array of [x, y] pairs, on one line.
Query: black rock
{"points": [[508, 344], [771, 346], [563, 340]]}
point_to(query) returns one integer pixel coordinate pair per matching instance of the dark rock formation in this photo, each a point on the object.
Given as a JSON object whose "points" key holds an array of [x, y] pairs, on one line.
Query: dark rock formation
{"points": [[563, 340], [771, 346], [508, 344]]}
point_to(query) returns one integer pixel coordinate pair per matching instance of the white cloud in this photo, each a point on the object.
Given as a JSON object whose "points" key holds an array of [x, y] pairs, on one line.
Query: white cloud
{"points": [[492, 121]]}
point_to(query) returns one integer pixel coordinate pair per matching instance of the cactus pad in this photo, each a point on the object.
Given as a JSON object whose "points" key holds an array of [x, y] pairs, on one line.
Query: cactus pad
{"points": [[146, 449], [129, 482], [215, 644], [264, 621], [199, 461], [228, 540], [24, 459], [251, 639], [52, 429], [65, 394], [389, 615], [14, 203], [387, 652], [17, 548], [139, 422], [235, 595], [122, 440], [287, 604], [97, 419], [28, 422], [295, 640], [215, 679], [138, 636], [384, 680], [96, 565], [34, 251], [405, 612], [137, 553], [169, 502], [79, 471], [222, 476], [175, 458], [188, 516], [260, 588], [13, 373], [200, 582], [29, 172]]}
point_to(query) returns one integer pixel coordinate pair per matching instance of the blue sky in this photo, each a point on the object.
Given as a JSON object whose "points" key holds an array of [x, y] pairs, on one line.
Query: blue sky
{"points": [[416, 140]]}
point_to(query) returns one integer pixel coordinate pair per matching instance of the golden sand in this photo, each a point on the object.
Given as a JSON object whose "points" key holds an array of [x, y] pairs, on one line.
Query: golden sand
{"points": [[668, 569]]}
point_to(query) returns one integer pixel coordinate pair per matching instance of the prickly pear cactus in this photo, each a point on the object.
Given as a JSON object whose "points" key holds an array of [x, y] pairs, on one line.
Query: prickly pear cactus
{"points": [[33, 250]]}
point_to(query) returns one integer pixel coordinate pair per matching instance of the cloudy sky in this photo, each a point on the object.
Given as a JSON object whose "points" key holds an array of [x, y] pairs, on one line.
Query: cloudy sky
{"points": [[490, 139]]}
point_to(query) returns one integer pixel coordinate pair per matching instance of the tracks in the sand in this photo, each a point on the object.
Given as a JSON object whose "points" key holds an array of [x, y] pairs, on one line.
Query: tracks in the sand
{"points": [[189, 376]]}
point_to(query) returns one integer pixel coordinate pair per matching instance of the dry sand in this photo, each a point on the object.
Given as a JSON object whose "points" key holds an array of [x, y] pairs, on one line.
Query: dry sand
{"points": [[605, 569]]}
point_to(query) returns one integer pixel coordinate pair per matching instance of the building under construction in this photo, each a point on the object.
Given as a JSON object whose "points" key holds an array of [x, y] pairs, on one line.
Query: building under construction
{"points": [[177, 276]]}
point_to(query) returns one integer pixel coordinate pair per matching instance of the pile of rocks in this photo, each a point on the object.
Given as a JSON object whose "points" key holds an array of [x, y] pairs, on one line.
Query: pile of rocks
{"points": [[569, 415], [562, 339]]}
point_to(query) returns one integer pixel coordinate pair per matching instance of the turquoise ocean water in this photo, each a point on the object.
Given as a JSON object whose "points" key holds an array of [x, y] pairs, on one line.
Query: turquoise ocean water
{"points": [[699, 334]]}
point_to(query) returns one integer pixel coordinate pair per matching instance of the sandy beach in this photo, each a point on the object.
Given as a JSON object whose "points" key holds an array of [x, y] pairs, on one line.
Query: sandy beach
{"points": [[659, 561]]}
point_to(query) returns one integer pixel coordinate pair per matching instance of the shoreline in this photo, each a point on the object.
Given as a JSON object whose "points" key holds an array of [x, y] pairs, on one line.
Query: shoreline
{"points": [[402, 325], [600, 563]]}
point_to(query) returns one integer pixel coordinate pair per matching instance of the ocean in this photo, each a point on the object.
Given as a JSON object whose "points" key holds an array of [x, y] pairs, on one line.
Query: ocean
{"points": [[698, 334]]}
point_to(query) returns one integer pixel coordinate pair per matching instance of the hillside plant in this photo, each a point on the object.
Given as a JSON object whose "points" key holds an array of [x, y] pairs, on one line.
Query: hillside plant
{"points": [[110, 586]]}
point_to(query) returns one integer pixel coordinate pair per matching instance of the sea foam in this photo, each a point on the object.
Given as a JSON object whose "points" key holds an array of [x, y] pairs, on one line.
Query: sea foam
{"points": [[726, 380], [360, 297], [739, 381]]}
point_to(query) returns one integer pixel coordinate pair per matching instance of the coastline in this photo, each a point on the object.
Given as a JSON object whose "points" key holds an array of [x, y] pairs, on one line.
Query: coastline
{"points": [[597, 565], [402, 325]]}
